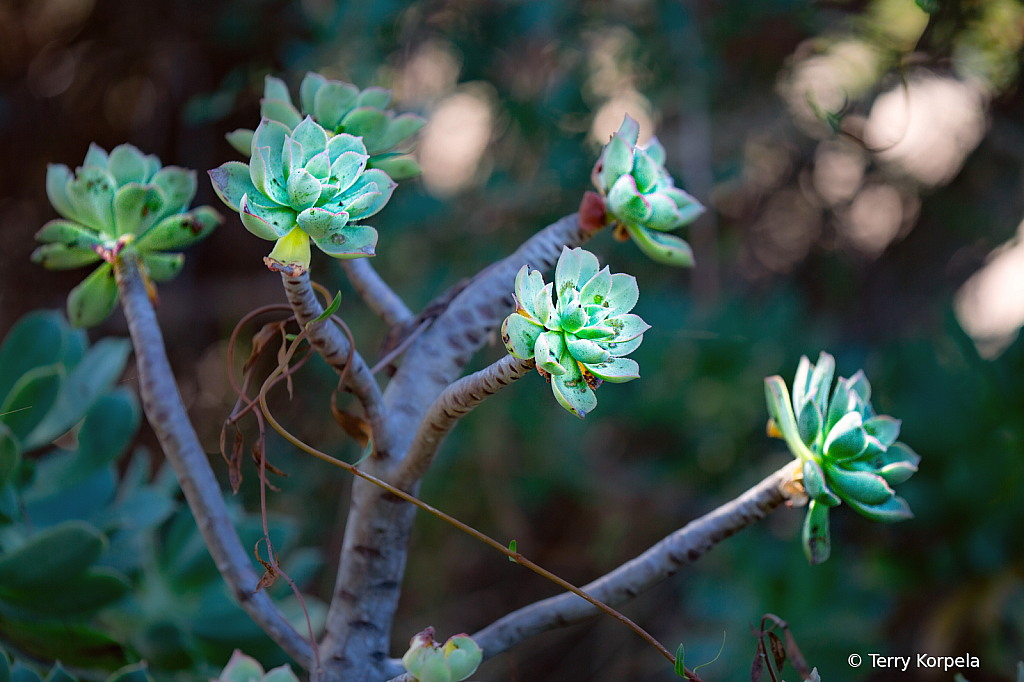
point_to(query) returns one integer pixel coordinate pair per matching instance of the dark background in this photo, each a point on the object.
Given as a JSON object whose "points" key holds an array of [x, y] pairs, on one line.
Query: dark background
{"points": [[813, 242]]}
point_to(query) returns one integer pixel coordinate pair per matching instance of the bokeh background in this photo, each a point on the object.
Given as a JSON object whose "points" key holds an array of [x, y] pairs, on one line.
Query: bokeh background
{"points": [[862, 161]]}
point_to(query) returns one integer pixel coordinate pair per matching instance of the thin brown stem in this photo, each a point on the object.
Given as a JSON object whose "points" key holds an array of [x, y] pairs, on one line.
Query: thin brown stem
{"points": [[469, 530]]}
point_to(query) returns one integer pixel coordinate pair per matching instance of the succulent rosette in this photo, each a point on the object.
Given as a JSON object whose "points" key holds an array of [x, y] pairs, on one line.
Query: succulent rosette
{"points": [[642, 196], [847, 452], [305, 184], [343, 108], [578, 328], [428, 661], [124, 200]]}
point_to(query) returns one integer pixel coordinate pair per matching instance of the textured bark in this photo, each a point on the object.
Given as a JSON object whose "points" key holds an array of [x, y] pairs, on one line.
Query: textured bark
{"points": [[332, 344], [454, 403], [375, 291], [440, 353], [355, 646], [166, 413], [664, 559]]}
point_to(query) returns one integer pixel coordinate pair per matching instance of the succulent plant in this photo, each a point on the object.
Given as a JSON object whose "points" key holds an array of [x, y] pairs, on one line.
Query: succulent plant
{"points": [[428, 661], [579, 339], [242, 668], [342, 108], [847, 451], [301, 184], [642, 196], [116, 201]]}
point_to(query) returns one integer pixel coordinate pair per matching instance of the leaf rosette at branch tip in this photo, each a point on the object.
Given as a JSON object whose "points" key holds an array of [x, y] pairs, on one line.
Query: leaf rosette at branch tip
{"points": [[301, 184], [428, 661], [847, 451], [643, 198], [342, 108], [112, 202], [580, 338]]}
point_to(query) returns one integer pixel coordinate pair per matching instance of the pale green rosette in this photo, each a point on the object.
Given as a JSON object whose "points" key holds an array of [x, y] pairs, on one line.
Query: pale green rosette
{"points": [[301, 184], [343, 108], [641, 195], [847, 452], [124, 200], [578, 328]]}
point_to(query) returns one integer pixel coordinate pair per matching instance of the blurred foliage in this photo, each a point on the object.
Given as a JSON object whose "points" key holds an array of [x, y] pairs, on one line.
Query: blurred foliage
{"points": [[101, 565], [826, 232]]}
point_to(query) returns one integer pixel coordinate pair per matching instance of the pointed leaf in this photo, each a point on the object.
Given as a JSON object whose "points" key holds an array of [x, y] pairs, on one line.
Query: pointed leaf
{"points": [[663, 248], [68, 233], [629, 130], [374, 97], [598, 288], [399, 130], [370, 124], [181, 230], [343, 142], [586, 351], [814, 484], [892, 510], [624, 348], [311, 136], [96, 157], [615, 370], [567, 273], [627, 202], [616, 160], [384, 185], [884, 428], [549, 348], [397, 167], [347, 168], [846, 439], [645, 171], [52, 556], [861, 486], [318, 223], [275, 88], [231, 181], [303, 189], [628, 326]]}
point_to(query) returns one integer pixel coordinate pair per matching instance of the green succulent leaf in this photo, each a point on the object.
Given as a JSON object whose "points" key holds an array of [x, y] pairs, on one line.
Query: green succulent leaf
{"points": [[92, 590], [616, 161], [883, 427], [30, 398], [815, 536], [10, 454], [281, 111], [128, 165], [615, 370], [178, 186], [861, 486], [809, 423], [893, 509], [369, 123], [571, 389], [136, 208], [57, 178], [92, 195], [94, 298], [332, 101], [520, 335], [548, 350], [163, 266], [69, 234], [62, 257], [181, 230], [102, 364], [398, 168], [52, 556], [662, 248], [240, 140], [847, 438], [814, 484], [352, 241]]}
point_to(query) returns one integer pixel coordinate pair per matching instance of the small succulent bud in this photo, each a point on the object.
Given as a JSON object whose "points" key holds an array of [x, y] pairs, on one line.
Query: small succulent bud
{"points": [[301, 184], [579, 339], [117, 201], [848, 453], [428, 661], [642, 196], [242, 668], [342, 108]]}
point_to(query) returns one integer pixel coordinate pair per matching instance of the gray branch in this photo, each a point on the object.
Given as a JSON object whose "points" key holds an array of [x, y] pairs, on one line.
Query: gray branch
{"points": [[332, 344], [376, 292], [440, 353], [170, 422], [454, 403], [664, 559]]}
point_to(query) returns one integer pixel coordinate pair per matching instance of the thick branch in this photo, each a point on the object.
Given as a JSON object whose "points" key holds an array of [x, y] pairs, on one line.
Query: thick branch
{"points": [[170, 422], [333, 346], [664, 559], [438, 356], [376, 292], [453, 404]]}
